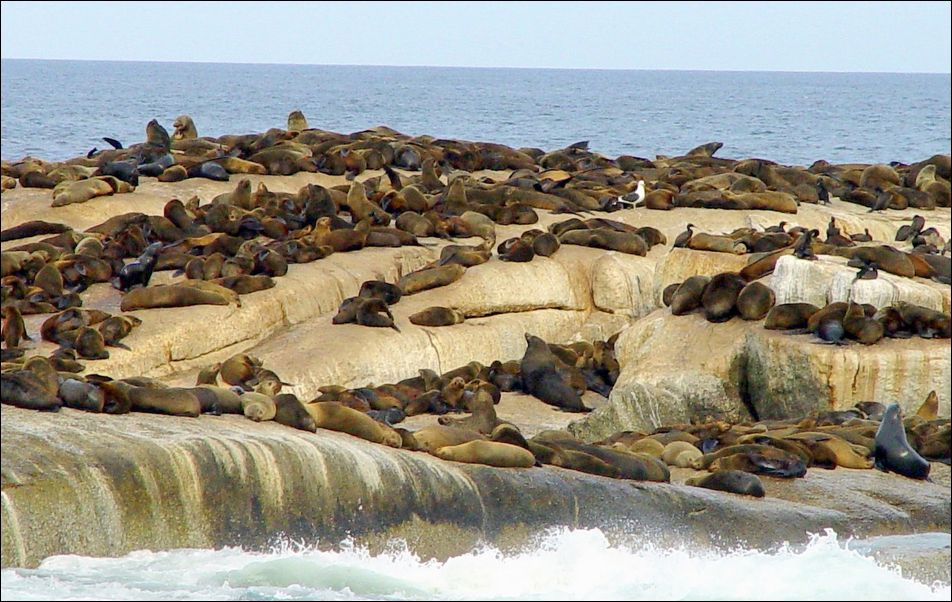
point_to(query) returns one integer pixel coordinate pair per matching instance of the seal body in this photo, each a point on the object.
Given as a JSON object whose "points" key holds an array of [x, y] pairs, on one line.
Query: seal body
{"points": [[892, 452]]}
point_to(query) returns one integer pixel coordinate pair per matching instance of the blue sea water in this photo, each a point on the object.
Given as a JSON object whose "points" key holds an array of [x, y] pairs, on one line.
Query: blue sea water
{"points": [[60, 109]]}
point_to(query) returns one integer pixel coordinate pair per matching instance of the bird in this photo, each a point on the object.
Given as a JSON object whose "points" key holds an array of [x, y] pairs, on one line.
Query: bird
{"points": [[634, 197], [867, 272], [684, 238], [821, 192]]}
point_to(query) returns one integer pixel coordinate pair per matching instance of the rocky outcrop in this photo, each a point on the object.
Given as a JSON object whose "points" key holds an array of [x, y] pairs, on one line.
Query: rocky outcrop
{"points": [[829, 279], [677, 367], [105, 485]]}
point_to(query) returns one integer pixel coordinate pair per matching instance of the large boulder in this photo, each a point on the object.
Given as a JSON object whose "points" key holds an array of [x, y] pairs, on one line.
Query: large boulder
{"points": [[674, 368]]}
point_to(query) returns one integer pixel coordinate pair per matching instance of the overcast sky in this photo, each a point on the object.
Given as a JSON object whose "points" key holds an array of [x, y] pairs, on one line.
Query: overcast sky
{"points": [[795, 36]]}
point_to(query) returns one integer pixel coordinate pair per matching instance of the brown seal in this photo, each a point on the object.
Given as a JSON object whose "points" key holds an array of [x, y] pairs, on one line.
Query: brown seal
{"points": [[491, 453], [335, 416], [291, 412], [790, 316], [426, 279], [719, 299], [437, 316], [169, 296], [731, 481], [258, 407], [755, 300], [688, 295]]}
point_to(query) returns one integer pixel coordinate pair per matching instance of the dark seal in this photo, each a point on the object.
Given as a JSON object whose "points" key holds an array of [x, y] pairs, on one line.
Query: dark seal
{"points": [[892, 452]]}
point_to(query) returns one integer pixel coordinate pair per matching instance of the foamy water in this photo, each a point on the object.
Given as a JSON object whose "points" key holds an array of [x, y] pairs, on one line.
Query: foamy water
{"points": [[565, 565]]}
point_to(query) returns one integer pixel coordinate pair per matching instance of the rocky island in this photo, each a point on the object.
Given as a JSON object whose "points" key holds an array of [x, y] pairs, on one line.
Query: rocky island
{"points": [[586, 257]]}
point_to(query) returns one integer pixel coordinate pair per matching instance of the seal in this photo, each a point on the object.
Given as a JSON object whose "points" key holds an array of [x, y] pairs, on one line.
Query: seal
{"points": [[378, 289], [758, 463], [81, 395], [297, 122], [437, 316], [703, 241], [858, 326], [755, 300], [929, 410], [14, 328], [139, 272], [217, 400], [33, 228], [830, 451], [115, 328], [789, 316], [172, 401], [291, 412], [516, 250], [680, 453], [731, 481], [925, 322], [376, 313], [257, 407], [491, 453], [687, 297], [432, 438], [334, 416], [24, 389], [183, 128], [541, 380], [720, 296], [87, 341], [892, 452], [169, 296], [429, 278], [667, 295]]}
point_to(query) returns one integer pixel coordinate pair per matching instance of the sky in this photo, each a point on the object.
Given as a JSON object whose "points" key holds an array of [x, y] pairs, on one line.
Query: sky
{"points": [[743, 36]]}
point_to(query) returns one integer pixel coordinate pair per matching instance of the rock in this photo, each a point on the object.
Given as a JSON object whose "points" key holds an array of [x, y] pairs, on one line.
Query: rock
{"points": [[829, 279], [624, 284], [680, 264], [672, 368], [676, 367], [90, 484]]}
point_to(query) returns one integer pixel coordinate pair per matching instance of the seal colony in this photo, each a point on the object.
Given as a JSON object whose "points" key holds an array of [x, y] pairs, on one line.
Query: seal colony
{"points": [[216, 249]]}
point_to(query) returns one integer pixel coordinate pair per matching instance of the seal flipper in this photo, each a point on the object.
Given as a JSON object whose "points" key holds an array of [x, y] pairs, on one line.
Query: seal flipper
{"points": [[113, 143]]}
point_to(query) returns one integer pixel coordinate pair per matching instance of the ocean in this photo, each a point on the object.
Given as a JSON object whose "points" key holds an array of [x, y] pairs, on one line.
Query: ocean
{"points": [[564, 565], [61, 109]]}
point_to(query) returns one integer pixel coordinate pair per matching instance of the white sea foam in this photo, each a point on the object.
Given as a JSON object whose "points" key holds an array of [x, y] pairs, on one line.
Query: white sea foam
{"points": [[565, 565]]}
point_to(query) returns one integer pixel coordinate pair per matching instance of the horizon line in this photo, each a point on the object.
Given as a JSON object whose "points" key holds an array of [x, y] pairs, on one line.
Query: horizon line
{"points": [[265, 63]]}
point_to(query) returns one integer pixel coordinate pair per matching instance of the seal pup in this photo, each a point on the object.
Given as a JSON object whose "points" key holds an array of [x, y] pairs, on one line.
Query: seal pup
{"points": [[892, 452], [139, 272]]}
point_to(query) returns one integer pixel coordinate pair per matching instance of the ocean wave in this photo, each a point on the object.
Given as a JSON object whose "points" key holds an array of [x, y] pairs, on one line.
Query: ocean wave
{"points": [[564, 564]]}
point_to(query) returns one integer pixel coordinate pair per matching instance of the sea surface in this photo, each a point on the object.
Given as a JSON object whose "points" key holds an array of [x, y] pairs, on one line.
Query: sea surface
{"points": [[61, 109], [565, 565]]}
